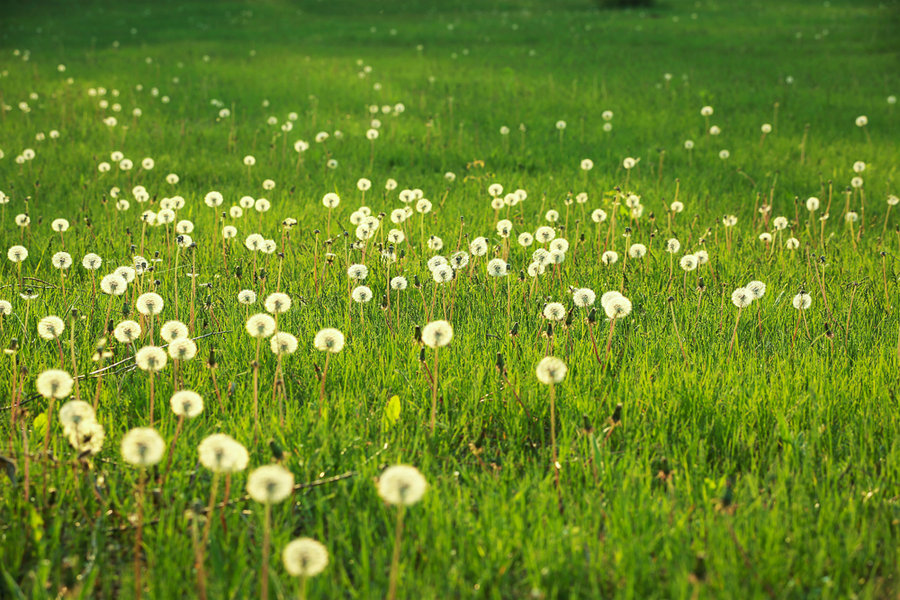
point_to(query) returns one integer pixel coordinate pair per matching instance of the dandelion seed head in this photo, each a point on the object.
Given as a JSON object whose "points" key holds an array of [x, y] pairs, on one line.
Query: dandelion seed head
{"points": [[54, 383], [584, 297], [437, 334], [551, 370], [186, 403], [142, 447], [278, 303], [304, 557], [50, 327], [756, 288], [283, 342], [182, 349], [127, 331], [260, 325], [802, 301], [270, 484], [149, 303], [361, 294], [220, 453], [172, 330], [741, 297], [402, 485]]}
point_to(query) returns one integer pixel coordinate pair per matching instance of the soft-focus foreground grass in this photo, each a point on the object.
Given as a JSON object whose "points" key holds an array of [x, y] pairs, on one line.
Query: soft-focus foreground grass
{"points": [[772, 472]]}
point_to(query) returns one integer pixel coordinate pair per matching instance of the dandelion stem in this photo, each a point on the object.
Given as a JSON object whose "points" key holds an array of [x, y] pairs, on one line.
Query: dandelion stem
{"points": [[434, 391], [322, 388], [138, 536], [395, 558], [264, 571], [734, 333]]}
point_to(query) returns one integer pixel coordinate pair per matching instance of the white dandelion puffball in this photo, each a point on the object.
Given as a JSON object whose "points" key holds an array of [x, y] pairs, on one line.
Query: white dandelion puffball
{"points": [[213, 199], [437, 334], [182, 349], [584, 297], [283, 342], [766, 128], [87, 438], [54, 383], [607, 296], [149, 304], [617, 307], [50, 327], [792, 243], [637, 251], [260, 325], [220, 453], [61, 260], [706, 111], [173, 330], [688, 144], [554, 311], [247, 297], [331, 200], [91, 261], [497, 267], [478, 247], [551, 370], [270, 484], [673, 246], [598, 216], [143, 447], [629, 162], [544, 234], [402, 485], [59, 225], [688, 262], [127, 331], [186, 403], [151, 359], [862, 121], [75, 413], [756, 288], [802, 301], [741, 297], [357, 272], [329, 340], [278, 303], [399, 283], [609, 257], [17, 254], [304, 557], [361, 294]]}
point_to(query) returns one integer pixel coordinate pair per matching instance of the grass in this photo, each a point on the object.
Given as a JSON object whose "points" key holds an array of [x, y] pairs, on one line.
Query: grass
{"points": [[772, 470]]}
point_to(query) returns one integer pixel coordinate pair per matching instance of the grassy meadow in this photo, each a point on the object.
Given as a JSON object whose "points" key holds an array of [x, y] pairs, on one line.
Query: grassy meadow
{"points": [[692, 207]]}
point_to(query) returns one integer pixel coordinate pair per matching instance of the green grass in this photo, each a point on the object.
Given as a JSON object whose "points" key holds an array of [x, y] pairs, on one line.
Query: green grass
{"points": [[771, 471]]}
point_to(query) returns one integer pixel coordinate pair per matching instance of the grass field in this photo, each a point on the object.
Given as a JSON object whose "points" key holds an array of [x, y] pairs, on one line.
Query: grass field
{"points": [[702, 449]]}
